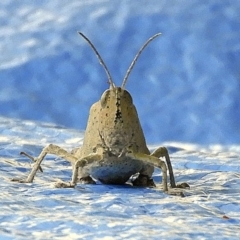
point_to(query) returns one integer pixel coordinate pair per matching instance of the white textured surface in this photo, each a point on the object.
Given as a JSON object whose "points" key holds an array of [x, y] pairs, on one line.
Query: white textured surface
{"points": [[39, 211]]}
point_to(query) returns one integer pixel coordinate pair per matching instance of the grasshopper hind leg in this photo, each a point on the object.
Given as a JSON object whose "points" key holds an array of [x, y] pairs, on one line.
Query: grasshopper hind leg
{"points": [[163, 152]]}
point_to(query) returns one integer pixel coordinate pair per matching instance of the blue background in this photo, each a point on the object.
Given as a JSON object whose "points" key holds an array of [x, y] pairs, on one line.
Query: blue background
{"points": [[185, 85]]}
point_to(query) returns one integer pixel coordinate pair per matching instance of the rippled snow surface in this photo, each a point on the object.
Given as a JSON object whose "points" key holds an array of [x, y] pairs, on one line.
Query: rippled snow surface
{"points": [[209, 210]]}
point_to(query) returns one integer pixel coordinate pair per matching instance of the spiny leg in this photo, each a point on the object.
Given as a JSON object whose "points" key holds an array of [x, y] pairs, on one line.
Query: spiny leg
{"points": [[81, 163], [153, 161], [32, 158], [50, 149], [163, 152]]}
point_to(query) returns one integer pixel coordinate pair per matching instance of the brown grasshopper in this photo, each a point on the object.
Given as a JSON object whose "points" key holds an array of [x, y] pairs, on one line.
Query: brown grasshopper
{"points": [[114, 147]]}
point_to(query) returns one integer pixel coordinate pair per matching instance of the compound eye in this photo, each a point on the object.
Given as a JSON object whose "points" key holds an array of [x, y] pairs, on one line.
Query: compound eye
{"points": [[104, 98], [127, 97]]}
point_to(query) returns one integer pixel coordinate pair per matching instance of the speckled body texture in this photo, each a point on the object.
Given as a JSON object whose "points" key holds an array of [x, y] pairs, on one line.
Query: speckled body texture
{"points": [[113, 170], [113, 125]]}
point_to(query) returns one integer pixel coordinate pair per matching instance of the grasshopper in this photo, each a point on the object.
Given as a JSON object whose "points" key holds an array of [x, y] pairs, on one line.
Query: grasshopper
{"points": [[114, 147]]}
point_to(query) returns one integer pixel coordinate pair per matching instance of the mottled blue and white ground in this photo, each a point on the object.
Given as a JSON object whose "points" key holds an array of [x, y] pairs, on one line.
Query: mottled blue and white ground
{"points": [[210, 209], [186, 89]]}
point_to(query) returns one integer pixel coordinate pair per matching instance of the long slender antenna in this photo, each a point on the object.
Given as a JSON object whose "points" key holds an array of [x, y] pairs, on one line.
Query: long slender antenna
{"points": [[136, 58], [110, 81]]}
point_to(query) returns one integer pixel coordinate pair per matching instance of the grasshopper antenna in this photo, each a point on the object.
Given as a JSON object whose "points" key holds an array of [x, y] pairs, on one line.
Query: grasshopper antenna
{"points": [[110, 81], [136, 58]]}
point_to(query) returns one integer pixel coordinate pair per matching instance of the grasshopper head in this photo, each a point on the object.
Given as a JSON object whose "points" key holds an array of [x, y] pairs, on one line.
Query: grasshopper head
{"points": [[116, 116]]}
